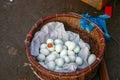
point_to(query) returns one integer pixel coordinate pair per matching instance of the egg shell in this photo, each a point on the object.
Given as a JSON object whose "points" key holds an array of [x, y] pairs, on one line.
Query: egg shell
{"points": [[59, 62], [43, 64], [79, 60], [49, 41], [44, 51], [67, 59], [72, 58], [51, 65], [71, 45], [77, 49], [41, 57], [70, 53], [63, 53], [91, 58], [58, 47], [57, 68], [67, 43], [56, 53], [58, 41], [51, 57], [42, 46]]}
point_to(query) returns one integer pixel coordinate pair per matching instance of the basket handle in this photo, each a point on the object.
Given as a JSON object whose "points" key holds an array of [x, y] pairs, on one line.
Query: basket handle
{"points": [[75, 14], [79, 15]]}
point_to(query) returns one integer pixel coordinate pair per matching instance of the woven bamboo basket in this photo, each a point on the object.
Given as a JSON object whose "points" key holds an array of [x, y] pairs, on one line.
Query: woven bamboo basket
{"points": [[95, 38]]}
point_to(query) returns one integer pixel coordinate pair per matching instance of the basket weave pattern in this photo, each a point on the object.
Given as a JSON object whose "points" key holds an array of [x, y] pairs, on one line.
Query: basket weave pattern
{"points": [[95, 38]]}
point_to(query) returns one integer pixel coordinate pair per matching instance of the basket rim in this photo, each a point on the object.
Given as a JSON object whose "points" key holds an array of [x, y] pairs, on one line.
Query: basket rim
{"points": [[85, 70]]}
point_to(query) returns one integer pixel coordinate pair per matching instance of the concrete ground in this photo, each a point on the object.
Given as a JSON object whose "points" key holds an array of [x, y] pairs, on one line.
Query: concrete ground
{"points": [[17, 18]]}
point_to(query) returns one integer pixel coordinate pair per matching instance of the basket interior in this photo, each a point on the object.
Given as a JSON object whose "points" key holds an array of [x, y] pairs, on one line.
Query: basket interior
{"points": [[72, 24]]}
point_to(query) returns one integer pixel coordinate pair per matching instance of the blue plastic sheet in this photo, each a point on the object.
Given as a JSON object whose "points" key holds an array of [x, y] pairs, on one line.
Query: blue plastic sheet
{"points": [[99, 21]]}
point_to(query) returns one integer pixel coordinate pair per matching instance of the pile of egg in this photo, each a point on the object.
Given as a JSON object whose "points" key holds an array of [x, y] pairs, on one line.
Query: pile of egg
{"points": [[54, 54]]}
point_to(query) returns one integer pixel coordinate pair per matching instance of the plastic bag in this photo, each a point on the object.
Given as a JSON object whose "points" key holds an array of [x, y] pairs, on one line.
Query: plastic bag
{"points": [[99, 21]]}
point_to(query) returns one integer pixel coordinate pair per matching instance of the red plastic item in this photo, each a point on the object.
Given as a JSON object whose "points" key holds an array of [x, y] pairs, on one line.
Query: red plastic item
{"points": [[108, 10]]}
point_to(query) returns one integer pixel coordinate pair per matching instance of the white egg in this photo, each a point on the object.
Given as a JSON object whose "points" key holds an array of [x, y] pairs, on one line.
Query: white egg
{"points": [[49, 41], [67, 59], [63, 53], [77, 49], [56, 53], [51, 65], [57, 68], [79, 60], [51, 57], [91, 58], [72, 58], [43, 64], [42, 46], [71, 53], [44, 51], [71, 45], [58, 47], [67, 43], [59, 62], [58, 41], [41, 57]]}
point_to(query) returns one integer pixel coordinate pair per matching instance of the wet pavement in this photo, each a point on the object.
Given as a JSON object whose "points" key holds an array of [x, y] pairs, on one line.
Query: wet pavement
{"points": [[17, 18]]}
